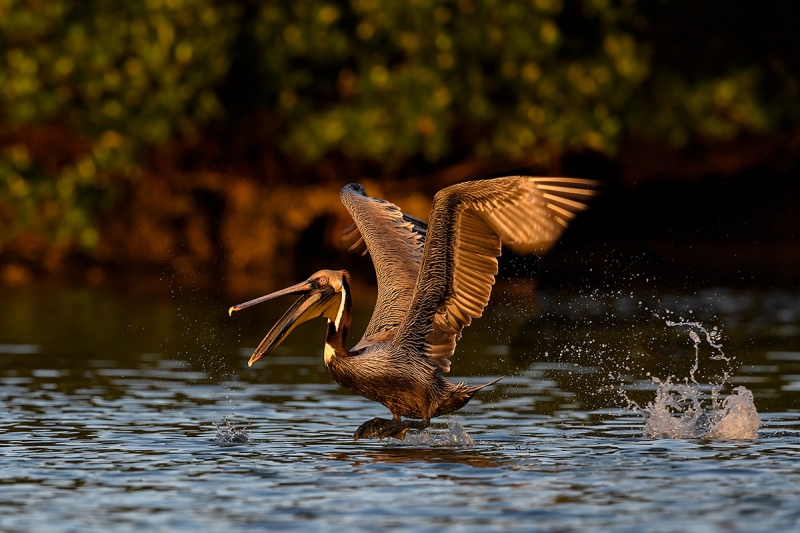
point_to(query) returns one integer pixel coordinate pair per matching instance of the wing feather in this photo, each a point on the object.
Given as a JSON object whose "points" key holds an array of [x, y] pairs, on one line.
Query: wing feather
{"points": [[395, 242], [468, 225]]}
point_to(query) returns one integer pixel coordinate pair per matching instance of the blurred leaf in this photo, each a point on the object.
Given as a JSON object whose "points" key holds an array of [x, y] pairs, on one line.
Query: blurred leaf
{"points": [[91, 89]]}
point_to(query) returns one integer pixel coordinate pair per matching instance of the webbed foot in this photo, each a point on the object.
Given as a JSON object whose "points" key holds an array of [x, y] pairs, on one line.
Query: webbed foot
{"points": [[386, 429]]}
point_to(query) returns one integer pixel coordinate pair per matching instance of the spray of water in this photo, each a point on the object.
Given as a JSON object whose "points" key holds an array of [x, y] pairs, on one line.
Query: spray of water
{"points": [[453, 437], [228, 433], [679, 410]]}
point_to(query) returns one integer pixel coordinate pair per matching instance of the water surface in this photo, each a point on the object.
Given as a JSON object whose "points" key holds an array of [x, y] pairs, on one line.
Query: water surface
{"points": [[110, 402]]}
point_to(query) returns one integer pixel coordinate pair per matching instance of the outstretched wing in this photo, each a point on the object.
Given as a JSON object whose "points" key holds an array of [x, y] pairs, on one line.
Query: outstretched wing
{"points": [[351, 233], [467, 226], [395, 241]]}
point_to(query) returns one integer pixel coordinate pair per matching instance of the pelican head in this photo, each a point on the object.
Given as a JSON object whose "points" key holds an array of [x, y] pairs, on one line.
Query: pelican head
{"points": [[321, 295]]}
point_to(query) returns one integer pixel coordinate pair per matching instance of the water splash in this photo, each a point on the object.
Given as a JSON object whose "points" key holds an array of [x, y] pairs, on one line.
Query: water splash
{"points": [[230, 434], [737, 418], [678, 411], [453, 437]]}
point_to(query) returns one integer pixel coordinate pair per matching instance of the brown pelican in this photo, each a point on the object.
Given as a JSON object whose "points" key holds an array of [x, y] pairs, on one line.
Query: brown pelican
{"points": [[433, 279]]}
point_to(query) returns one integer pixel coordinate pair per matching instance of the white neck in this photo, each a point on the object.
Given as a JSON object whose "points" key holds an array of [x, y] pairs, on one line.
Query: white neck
{"points": [[328, 353], [339, 314]]}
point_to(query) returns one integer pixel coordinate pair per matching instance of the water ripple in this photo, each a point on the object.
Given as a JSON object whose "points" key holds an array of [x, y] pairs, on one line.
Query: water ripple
{"points": [[114, 433]]}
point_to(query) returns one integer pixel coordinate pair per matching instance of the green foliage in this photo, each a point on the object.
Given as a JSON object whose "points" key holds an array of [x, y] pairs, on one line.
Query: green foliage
{"points": [[88, 88], [389, 80], [115, 77], [717, 109]]}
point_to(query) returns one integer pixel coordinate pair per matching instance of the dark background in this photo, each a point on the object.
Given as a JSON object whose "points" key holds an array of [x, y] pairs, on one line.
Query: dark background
{"points": [[204, 141]]}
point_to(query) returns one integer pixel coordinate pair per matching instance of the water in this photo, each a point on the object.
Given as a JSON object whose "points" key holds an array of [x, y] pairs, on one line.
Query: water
{"points": [[138, 413], [679, 410]]}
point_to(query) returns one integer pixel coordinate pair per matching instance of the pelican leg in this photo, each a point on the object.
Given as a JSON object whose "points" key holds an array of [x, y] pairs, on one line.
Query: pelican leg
{"points": [[385, 429]]}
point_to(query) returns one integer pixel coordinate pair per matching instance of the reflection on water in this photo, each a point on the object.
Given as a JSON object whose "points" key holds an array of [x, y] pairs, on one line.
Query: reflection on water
{"points": [[115, 407]]}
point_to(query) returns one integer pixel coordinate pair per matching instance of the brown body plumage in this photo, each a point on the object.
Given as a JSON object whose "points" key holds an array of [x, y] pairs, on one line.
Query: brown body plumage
{"points": [[433, 279]]}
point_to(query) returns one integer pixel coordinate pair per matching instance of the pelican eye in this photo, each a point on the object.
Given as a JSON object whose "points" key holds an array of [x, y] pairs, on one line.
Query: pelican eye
{"points": [[323, 280]]}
